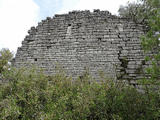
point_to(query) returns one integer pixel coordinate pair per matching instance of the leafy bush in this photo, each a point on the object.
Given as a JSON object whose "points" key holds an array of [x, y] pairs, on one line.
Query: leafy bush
{"points": [[5, 57], [32, 95]]}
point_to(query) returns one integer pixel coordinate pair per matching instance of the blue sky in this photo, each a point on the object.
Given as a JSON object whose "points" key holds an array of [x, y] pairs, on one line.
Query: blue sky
{"points": [[17, 16], [51, 7], [48, 7]]}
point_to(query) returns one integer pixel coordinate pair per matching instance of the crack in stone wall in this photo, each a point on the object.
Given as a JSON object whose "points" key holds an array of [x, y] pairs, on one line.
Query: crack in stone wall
{"points": [[95, 40]]}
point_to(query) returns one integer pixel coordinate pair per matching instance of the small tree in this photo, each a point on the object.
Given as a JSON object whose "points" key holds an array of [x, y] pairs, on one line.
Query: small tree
{"points": [[139, 11], [133, 11], [5, 57], [151, 42]]}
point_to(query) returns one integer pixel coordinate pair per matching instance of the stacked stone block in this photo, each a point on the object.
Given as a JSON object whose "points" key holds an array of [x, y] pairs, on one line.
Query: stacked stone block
{"points": [[80, 40]]}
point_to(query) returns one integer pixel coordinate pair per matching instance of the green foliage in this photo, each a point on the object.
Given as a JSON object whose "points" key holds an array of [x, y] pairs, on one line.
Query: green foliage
{"points": [[149, 12], [5, 57], [133, 11], [140, 11], [33, 95], [150, 43]]}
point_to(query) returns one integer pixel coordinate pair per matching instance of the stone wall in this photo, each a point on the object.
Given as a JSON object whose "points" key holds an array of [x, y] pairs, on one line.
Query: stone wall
{"points": [[80, 40]]}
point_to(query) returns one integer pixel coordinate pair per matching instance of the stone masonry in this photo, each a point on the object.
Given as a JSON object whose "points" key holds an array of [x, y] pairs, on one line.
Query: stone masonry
{"points": [[80, 40]]}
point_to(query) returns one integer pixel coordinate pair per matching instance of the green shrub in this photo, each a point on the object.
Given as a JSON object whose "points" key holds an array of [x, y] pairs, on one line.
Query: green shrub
{"points": [[5, 57], [33, 95]]}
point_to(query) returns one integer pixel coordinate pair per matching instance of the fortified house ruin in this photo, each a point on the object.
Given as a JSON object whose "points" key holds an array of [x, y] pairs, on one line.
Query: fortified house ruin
{"points": [[80, 40]]}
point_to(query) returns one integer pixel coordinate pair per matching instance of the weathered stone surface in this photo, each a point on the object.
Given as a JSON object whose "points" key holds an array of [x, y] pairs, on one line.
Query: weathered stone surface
{"points": [[81, 40]]}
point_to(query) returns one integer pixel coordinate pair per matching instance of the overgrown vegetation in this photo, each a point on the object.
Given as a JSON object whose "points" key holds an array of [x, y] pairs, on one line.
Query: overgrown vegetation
{"points": [[140, 11], [30, 94], [5, 57], [33, 95], [147, 12]]}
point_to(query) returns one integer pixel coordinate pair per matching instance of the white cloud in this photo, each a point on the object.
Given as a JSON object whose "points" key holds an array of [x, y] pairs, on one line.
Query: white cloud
{"points": [[110, 5], [68, 5], [17, 16], [48, 7]]}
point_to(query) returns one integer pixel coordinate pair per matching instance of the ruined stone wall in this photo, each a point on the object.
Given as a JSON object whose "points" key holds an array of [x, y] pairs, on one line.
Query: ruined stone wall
{"points": [[81, 40]]}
